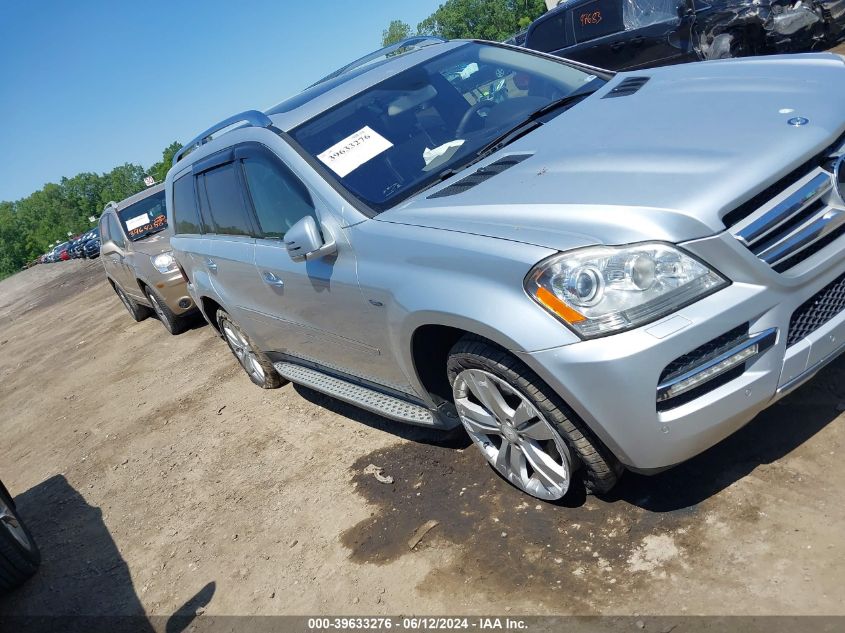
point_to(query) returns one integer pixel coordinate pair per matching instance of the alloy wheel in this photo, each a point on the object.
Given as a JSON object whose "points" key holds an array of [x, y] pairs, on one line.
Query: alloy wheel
{"points": [[10, 522], [243, 350], [512, 434], [125, 299], [157, 309]]}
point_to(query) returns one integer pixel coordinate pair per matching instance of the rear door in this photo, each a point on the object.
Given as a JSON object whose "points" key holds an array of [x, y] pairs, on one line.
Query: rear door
{"points": [[230, 234], [626, 34]]}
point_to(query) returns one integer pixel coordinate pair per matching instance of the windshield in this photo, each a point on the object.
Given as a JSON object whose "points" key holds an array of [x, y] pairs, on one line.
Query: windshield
{"points": [[145, 217], [402, 134]]}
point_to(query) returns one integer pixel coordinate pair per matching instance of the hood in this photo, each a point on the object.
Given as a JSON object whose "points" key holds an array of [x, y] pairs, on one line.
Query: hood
{"points": [[154, 244], [664, 163]]}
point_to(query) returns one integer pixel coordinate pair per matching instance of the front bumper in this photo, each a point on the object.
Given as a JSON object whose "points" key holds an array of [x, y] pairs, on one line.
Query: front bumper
{"points": [[173, 289], [613, 383]]}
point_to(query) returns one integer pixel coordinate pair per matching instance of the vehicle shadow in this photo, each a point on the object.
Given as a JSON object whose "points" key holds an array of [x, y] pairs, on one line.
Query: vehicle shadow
{"points": [[83, 584], [451, 439], [773, 434]]}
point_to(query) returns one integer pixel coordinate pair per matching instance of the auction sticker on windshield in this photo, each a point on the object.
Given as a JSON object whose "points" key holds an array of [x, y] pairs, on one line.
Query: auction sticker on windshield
{"points": [[137, 221], [356, 149]]}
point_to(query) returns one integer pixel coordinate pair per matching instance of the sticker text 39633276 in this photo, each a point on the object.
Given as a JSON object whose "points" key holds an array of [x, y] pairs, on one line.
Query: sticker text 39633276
{"points": [[356, 149]]}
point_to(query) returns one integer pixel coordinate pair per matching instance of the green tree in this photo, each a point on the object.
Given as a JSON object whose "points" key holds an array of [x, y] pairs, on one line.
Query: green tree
{"points": [[396, 31], [159, 169], [481, 19], [30, 226]]}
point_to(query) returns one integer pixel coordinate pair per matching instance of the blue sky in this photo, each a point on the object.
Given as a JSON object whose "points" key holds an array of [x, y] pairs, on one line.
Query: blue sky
{"points": [[88, 85]]}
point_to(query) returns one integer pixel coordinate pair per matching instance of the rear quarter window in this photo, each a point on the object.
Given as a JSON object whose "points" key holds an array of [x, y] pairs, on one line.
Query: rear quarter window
{"points": [[186, 217]]}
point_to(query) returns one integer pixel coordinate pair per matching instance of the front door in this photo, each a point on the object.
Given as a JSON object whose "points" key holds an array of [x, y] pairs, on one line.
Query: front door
{"points": [[312, 310]]}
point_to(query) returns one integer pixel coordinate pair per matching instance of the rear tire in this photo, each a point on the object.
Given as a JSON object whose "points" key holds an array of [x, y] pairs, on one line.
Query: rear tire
{"points": [[136, 310], [171, 322], [19, 555], [253, 361], [474, 357]]}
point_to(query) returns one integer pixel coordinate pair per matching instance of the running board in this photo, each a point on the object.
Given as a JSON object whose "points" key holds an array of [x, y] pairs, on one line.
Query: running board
{"points": [[369, 399]]}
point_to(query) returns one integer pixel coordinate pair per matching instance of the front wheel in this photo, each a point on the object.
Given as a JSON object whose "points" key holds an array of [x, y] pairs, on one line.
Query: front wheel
{"points": [[256, 365], [171, 322], [522, 427], [137, 311], [19, 556]]}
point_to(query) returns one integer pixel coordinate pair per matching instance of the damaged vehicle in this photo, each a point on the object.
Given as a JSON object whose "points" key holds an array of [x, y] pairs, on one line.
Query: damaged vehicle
{"points": [[591, 272], [631, 34]]}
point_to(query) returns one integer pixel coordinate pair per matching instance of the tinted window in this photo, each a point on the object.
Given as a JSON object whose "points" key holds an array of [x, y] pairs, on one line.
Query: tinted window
{"points": [[114, 231], [597, 19], [279, 198], [226, 209], [145, 217], [185, 214], [104, 228], [550, 34]]}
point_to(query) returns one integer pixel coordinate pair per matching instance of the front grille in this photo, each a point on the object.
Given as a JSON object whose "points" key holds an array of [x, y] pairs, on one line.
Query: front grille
{"points": [[816, 311], [795, 217]]}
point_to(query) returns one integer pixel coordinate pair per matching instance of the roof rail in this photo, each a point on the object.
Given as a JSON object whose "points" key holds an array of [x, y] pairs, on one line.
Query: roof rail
{"points": [[252, 117], [410, 43]]}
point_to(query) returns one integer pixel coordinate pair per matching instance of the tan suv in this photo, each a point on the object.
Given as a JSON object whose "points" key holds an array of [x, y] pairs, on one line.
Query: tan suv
{"points": [[139, 264]]}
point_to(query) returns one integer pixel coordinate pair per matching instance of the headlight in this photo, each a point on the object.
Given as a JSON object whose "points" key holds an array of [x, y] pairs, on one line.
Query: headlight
{"points": [[600, 290], [165, 262]]}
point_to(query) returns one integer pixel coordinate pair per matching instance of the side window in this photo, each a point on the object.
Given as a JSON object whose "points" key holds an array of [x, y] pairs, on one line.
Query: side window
{"points": [[104, 229], [597, 19], [186, 217], [550, 34], [226, 209], [114, 232], [279, 197]]}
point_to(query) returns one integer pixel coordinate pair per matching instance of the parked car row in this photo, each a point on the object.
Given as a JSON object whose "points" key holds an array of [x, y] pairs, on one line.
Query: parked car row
{"points": [[85, 246], [589, 271]]}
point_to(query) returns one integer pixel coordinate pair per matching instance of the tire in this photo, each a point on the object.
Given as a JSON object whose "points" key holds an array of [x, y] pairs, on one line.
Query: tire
{"points": [[171, 322], [136, 310], [575, 446], [253, 361], [19, 555]]}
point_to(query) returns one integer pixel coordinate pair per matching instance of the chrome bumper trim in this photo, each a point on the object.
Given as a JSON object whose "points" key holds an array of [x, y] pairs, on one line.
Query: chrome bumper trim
{"points": [[763, 341]]}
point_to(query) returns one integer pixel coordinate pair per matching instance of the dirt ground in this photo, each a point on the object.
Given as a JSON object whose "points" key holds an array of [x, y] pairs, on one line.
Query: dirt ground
{"points": [[156, 477]]}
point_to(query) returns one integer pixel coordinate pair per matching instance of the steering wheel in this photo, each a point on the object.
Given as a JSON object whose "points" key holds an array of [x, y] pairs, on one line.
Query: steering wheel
{"points": [[477, 107]]}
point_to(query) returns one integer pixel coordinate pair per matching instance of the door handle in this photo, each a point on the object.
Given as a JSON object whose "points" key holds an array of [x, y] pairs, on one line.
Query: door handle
{"points": [[637, 41], [272, 280], [211, 265], [617, 46]]}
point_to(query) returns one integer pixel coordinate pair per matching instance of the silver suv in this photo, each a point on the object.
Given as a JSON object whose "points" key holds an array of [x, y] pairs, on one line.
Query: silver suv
{"points": [[589, 271]]}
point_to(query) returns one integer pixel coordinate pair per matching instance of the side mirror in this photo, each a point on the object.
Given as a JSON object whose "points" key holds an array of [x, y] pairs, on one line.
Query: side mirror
{"points": [[107, 248], [304, 241]]}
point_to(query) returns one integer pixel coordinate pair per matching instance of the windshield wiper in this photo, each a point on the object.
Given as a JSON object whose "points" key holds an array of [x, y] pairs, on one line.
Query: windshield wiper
{"points": [[530, 123]]}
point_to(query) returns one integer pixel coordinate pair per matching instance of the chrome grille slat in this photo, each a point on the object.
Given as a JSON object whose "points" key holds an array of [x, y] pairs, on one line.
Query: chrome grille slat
{"points": [[783, 211], [801, 219], [823, 223]]}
